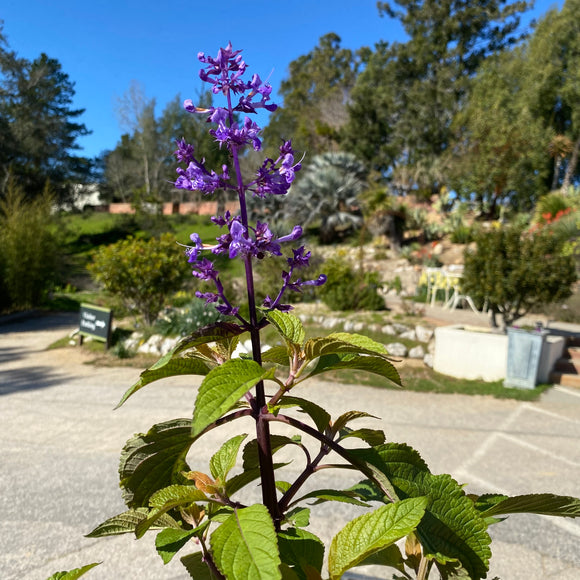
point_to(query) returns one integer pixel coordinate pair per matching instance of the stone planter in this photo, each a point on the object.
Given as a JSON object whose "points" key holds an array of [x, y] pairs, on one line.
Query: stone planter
{"points": [[478, 353]]}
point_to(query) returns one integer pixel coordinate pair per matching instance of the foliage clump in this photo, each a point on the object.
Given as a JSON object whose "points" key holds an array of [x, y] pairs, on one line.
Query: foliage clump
{"points": [[141, 274], [512, 272], [29, 245], [349, 290]]}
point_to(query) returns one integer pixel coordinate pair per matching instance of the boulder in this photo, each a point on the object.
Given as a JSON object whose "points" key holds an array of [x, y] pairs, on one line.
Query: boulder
{"points": [[417, 352], [396, 349], [409, 335], [423, 333]]}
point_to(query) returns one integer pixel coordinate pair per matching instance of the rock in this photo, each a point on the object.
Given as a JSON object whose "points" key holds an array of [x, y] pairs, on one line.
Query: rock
{"points": [[167, 344], [358, 326], [152, 345], [417, 352], [428, 360], [397, 349], [431, 347], [409, 335], [423, 333], [374, 327], [133, 342], [348, 326], [399, 328], [389, 329], [331, 323]]}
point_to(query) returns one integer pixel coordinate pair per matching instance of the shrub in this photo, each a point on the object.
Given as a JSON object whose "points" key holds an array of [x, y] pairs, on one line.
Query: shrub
{"points": [[29, 249], [514, 272], [140, 273], [347, 290], [182, 321]]}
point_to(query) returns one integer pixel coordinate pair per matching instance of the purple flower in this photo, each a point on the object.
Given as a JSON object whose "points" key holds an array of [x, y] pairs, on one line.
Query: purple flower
{"points": [[204, 270], [300, 259], [227, 68], [192, 251], [184, 151], [240, 244]]}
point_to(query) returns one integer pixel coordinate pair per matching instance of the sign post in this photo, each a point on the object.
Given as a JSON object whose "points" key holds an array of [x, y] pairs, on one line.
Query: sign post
{"points": [[95, 322]]}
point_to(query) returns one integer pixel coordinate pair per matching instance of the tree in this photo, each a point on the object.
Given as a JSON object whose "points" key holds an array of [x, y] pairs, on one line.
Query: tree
{"points": [[553, 76], [315, 95], [142, 167], [39, 125], [513, 272], [404, 101], [500, 149]]}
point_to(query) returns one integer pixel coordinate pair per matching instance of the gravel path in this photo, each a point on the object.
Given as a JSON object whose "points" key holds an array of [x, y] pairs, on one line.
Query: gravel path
{"points": [[61, 442]]}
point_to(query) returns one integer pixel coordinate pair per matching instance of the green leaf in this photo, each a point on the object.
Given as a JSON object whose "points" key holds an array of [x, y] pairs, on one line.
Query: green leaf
{"points": [[323, 495], [299, 516], [372, 532], [224, 460], [221, 389], [452, 528], [320, 417], [169, 542], [196, 567], [219, 332], [368, 363], [167, 366], [247, 476], [166, 499], [347, 417], [343, 342], [370, 436], [277, 442], [73, 574], [546, 504], [288, 326], [153, 461], [127, 522], [277, 355], [300, 549], [390, 556], [244, 547]]}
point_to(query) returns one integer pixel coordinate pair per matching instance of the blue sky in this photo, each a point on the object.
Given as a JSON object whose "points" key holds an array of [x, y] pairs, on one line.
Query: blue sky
{"points": [[104, 45]]}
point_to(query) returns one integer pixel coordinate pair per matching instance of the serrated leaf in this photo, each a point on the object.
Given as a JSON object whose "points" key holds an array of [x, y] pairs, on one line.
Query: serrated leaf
{"points": [[167, 366], [224, 460], [323, 495], [300, 549], [244, 547], [196, 567], [390, 556], [299, 516], [343, 342], [153, 461], [166, 499], [347, 417], [73, 574], [277, 355], [547, 504], [219, 332], [288, 326], [320, 417], [370, 436], [372, 532], [451, 528], [368, 363], [169, 542], [126, 523], [221, 389], [277, 442]]}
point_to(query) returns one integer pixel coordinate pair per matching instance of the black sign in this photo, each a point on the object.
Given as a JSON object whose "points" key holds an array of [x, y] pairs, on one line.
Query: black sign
{"points": [[96, 322]]}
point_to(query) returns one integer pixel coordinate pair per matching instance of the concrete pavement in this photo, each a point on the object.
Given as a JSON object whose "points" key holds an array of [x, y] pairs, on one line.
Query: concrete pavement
{"points": [[61, 441]]}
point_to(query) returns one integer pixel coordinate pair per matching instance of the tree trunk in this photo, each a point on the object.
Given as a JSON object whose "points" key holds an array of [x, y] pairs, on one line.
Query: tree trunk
{"points": [[571, 169]]}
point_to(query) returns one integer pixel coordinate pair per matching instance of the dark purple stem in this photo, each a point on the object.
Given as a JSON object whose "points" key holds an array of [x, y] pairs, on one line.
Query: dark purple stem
{"points": [[265, 458], [331, 444]]}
